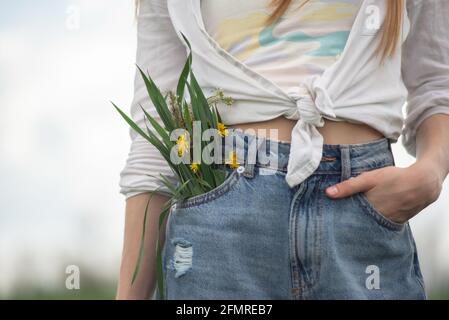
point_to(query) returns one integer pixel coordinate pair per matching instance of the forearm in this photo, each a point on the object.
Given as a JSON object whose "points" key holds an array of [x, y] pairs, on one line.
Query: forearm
{"points": [[432, 144], [144, 284]]}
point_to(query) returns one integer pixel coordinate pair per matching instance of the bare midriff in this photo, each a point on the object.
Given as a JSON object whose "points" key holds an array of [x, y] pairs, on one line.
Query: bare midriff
{"points": [[333, 132]]}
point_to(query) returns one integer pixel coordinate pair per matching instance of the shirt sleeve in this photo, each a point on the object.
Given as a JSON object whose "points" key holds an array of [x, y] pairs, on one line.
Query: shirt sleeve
{"points": [[425, 65], [161, 53]]}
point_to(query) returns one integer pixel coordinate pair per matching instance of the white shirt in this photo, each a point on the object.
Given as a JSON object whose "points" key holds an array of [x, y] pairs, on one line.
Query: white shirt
{"points": [[355, 88], [305, 41]]}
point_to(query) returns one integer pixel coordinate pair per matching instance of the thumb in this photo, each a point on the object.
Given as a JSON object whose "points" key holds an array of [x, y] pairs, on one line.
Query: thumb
{"points": [[351, 186]]}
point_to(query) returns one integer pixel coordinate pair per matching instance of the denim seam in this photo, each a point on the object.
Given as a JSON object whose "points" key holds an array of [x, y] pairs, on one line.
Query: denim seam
{"points": [[416, 267], [314, 277], [259, 165], [379, 217], [166, 263], [294, 270], [164, 254], [295, 277]]}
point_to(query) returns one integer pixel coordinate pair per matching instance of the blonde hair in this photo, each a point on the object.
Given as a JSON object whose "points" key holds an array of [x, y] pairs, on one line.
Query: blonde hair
{"points": [[391, 27]]}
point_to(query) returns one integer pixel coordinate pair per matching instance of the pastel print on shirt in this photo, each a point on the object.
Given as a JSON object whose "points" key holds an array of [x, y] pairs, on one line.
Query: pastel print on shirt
{"points": [[304, 41]]}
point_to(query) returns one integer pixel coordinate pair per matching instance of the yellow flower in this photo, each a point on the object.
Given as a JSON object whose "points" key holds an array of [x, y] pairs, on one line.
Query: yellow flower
{"points": [[182, 144], [222, 129], [233, 160], [194, 167]]}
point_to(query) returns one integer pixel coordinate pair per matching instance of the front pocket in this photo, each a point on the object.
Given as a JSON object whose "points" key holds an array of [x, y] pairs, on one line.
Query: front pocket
{"points": [[368, 208], [215, 193]]}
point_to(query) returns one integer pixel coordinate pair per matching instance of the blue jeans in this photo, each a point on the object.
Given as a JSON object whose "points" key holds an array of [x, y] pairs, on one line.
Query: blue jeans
{"points": [[254, 237]]}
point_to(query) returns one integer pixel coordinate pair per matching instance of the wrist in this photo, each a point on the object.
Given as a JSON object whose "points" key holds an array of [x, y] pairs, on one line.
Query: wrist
{"points": [[435, 168], [431, 177], [432, 149]]}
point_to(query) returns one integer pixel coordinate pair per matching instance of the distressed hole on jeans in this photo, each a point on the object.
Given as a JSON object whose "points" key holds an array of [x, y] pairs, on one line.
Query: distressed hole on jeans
{"points": [[182, 257]]}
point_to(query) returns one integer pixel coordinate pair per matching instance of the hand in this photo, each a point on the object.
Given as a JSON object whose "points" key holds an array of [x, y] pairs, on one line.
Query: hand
{"points": [[398, 193]]}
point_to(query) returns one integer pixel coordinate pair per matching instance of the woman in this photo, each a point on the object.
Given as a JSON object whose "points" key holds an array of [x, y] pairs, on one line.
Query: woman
{"points": [[329, 219]]}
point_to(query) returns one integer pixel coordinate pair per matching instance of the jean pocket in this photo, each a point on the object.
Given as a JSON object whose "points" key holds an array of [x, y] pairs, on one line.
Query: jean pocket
{"points": [[217, 192], [380, 218]]}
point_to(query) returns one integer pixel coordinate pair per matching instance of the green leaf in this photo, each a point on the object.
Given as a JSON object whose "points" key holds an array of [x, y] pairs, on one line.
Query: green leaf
{"points": [[188, 119], [202, 100], [162, 132], [183, 79], [131, 123], [170, 186], [193, 103], [187, 41], [158, 101], [205, 183], [164, 150]]}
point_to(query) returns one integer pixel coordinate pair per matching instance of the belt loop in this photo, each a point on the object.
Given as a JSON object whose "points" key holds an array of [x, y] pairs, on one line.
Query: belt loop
{"points": [[251, 151], [249, 170], [345, 162]]}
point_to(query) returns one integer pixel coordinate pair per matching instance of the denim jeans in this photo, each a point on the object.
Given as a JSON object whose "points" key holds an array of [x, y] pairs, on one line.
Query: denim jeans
{"points": [[254, 237]]}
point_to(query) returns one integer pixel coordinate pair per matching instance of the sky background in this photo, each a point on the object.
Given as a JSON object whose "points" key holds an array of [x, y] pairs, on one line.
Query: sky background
{"points": [[62, 146]]}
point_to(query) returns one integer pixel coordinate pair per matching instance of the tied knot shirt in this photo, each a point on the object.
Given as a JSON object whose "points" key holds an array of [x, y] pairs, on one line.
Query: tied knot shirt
{"points": [[356, 87]]}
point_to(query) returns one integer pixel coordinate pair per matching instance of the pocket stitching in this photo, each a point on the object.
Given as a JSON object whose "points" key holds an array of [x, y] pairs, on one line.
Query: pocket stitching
{"points": [[318, 253], [416, 267], [215, 193], [378, 216]]}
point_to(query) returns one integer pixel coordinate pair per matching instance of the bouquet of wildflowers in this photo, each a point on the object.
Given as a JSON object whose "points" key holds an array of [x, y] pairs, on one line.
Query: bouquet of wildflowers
{"points": [[178, 125]]}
